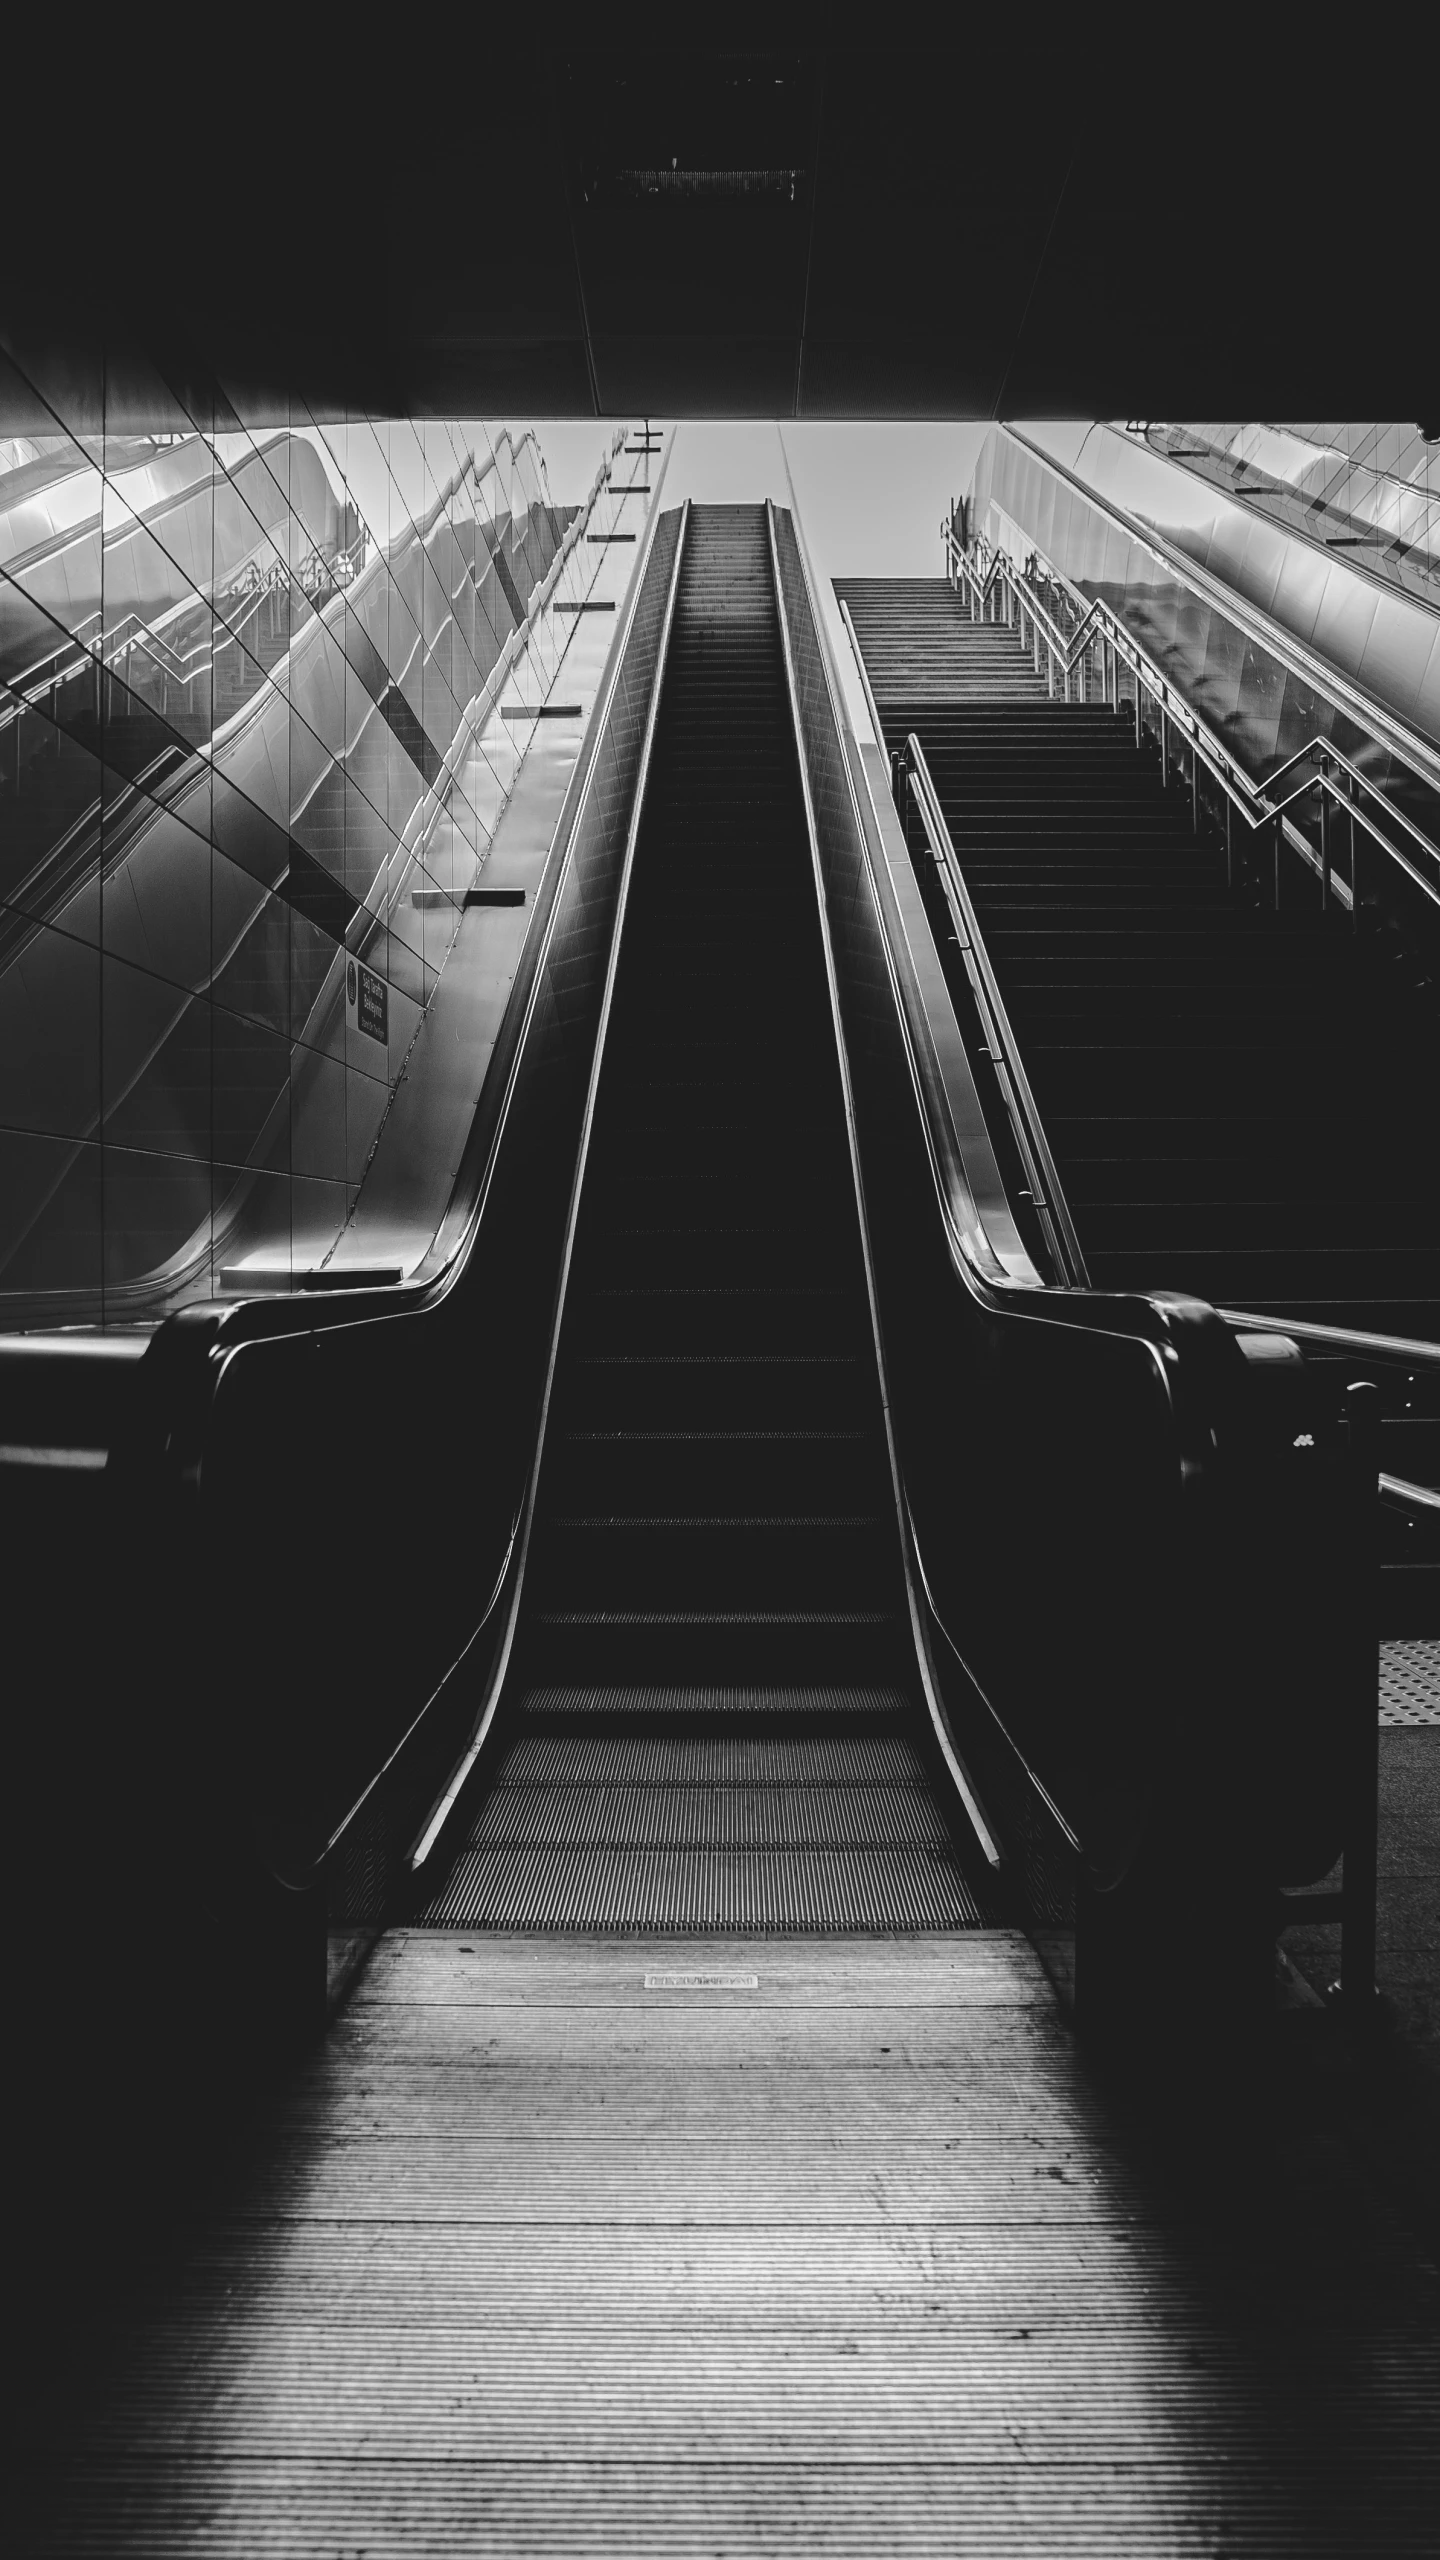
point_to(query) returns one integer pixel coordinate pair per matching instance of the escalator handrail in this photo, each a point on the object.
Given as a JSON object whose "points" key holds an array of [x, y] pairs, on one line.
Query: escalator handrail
{"points": [[969, 1222], [1047, 1191], [439, 1812], [471, 1189], [189, 1349], [1405, 1350], [179, 763], [284, 1314], [871, 706], [1257, 803], [472, 1181], [215, 1335], [1164, 1325], [1139, 1316], [946, 1739]]}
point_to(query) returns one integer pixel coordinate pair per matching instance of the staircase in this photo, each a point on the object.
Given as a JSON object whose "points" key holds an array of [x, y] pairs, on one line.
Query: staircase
{"points": [[921, 648], [1240, 1103], [715, 1724]]}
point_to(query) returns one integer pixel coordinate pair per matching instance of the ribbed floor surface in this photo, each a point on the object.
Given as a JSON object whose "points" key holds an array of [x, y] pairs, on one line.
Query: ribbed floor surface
{"points": [[713, 1723], [1410, 1682], [849, 2258], [1238, 1102]]}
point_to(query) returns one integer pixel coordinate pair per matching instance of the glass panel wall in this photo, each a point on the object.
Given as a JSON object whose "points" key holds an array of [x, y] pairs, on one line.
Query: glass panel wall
{"points": [[247, 773], [1369, 490]]}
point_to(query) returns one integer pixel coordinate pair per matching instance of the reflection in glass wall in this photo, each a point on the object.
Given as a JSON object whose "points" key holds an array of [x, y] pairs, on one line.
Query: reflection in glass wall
{"points": [[1263, 707], [1370, 491], [247, 773]]}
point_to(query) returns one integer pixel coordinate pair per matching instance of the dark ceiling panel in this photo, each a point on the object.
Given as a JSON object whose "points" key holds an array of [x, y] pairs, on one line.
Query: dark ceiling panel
{"points": [[700, 377], [1177, 218]]}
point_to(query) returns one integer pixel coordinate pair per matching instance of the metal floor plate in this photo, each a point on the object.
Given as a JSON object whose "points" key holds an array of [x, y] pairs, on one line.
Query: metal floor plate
{"points": [[1410, 1681]]}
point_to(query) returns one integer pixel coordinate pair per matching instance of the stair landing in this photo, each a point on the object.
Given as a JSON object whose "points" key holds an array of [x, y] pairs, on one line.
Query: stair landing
{"points": [[822, 2246]]}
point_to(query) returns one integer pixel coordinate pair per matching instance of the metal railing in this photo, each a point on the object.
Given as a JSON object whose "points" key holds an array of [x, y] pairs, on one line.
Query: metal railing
{"points": [[984, 575]]}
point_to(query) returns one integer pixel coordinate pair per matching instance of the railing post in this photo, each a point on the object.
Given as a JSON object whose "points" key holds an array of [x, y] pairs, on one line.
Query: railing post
{"points": [[1354, 858], [1324, 840], [1229, 842], [1164, 748], [1139, 723], [1050, 668], [1194, 788], [1279, 840]]}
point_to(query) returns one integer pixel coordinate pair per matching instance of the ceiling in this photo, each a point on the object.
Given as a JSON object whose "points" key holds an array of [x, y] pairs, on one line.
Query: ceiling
{"points": [[1008, 225]]}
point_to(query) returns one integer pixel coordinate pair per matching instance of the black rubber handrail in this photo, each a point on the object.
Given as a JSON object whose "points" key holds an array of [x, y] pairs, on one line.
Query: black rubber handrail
{"points": [[1046, 1190]]}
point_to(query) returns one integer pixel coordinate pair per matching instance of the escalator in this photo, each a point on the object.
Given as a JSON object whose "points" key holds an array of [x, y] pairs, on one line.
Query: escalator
{"points": [[1237, 1099], [717, 1536], [529, 2229], [713, 1719]]}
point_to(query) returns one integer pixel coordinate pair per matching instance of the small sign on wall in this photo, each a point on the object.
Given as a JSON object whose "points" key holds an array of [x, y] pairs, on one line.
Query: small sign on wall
{"points": [[367, 1002]]}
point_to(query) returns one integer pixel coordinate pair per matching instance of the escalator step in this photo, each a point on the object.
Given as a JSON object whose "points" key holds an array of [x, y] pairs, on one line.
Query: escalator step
{"points": [[732, 1818], [749, 1892], [715, 1618], [680, 1705], [669, 1756], [704, 1524]]}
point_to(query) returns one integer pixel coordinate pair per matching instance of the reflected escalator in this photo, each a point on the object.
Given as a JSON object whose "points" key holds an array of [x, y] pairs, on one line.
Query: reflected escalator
{"points": [[714, 1720]]}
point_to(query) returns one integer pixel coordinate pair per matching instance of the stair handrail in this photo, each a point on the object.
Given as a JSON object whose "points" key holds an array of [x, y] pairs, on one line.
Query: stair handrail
{"points": [[1256, 803]]}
